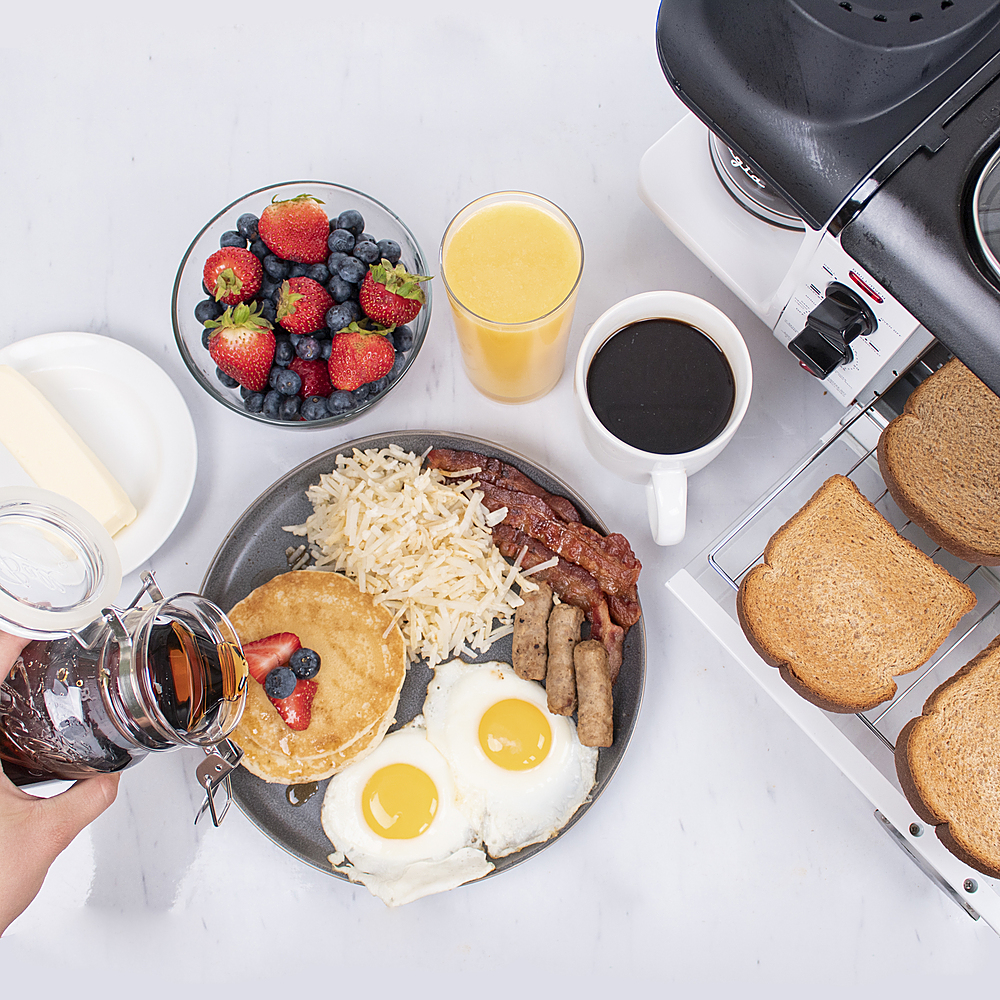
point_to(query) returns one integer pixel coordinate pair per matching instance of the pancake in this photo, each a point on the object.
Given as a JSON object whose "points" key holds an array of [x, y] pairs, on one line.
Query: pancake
{"points": [[358, 684]]}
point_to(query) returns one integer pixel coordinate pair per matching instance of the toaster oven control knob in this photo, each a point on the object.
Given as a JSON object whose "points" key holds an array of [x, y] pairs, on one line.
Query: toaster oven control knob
{"points": [[825, 342]]}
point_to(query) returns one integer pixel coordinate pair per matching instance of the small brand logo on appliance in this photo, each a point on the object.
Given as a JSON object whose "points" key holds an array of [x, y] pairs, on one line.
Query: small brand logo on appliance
{"points": [[737, 162], [989, 117]]}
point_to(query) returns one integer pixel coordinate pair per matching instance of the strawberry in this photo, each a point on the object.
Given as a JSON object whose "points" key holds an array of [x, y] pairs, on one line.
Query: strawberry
{"points": [[232, 275], [263, 655], [315, 377], [302, 305], [296, 709], [243, 345], [358, 356], [391, 295], [296, 229]]}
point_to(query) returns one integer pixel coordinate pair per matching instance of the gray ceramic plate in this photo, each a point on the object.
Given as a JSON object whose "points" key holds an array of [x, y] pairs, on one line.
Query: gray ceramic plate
{"points": [[254, 551]]}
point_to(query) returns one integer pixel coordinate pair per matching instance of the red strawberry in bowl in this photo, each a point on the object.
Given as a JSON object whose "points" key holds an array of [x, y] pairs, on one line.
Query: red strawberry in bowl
{"points": [[315, 375], [232, 275], [243, 345], [296, 229], [391, 295], [302, 305], [358, 356]]}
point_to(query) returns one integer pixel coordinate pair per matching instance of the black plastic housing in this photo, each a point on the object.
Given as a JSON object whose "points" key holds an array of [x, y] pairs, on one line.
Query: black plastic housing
{"points": [[819, 94]]}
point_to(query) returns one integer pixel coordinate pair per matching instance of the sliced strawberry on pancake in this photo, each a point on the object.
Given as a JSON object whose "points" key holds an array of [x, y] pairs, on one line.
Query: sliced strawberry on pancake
{"points": [[263, 655], [296, 709]]}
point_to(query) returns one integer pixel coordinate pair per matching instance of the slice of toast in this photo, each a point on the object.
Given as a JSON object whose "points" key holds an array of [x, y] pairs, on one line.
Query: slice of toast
{"points": [[948, 762], [940, 461], [842, 603]]}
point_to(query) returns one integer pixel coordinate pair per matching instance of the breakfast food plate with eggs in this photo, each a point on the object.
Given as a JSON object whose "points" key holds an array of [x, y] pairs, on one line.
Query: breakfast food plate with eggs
{"points": [[446, 655]]}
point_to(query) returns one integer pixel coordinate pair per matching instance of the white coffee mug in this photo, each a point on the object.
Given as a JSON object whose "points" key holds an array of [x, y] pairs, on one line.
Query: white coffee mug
{"points": [[665, 475]]}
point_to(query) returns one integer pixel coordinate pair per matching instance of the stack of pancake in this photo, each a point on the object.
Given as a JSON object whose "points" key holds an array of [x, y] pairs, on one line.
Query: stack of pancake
{"points": [[359, 681]]}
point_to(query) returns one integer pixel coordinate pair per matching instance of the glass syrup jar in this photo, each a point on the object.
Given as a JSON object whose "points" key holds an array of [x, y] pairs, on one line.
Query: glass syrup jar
{"points": [[98, 688]]}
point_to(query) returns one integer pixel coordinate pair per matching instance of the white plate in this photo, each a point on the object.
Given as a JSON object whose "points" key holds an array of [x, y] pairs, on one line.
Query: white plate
{"points": [[132, 416]]}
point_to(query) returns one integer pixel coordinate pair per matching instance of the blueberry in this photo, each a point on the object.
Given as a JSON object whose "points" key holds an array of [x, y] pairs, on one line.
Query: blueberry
{"points": [[272, 375], [244, 392], [232, 239], [390, 251], [341, 240], [227, 380], [367, 238], [304, 663], [403, 336], [339, 289], [246, 225], [272, 403], [289, 408], [367, 252], [353, 270], [378, 385], [259, 249], [362, 392], [206, 336], [288, 383], [298, 270], [275, 267], [254, 402], [397, 367], [326, 350], [268, 311], [307, 348], [280, 682], [314, 408], [353, 220], [353, 308], [334, 259], [339, 316], [318, 272], [283, 354], [269, 289], [208, 309], [340, 401]]}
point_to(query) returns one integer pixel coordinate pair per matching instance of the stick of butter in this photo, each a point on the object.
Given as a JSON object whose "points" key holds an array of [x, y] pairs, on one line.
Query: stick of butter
{"points": [[55, 456]]}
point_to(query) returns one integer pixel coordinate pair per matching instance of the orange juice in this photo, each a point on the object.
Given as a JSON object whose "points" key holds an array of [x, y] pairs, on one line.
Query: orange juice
{"points": [[511, 264]]}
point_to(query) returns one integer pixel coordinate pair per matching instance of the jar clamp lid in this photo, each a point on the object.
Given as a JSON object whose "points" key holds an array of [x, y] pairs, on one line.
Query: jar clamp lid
{"points": [[59, 567]]}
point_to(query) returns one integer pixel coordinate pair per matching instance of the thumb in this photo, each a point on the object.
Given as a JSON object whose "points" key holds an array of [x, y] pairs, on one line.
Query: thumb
{"points": [[59, 819]]}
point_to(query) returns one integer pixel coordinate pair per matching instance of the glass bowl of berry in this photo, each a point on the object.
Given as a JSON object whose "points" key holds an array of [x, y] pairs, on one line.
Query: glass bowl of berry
{"points": [[302, 304]]}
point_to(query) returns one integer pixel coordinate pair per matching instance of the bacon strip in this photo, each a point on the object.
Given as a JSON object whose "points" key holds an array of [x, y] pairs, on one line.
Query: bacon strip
{"points": [[492, 470], [608, 558], [572, 583]]}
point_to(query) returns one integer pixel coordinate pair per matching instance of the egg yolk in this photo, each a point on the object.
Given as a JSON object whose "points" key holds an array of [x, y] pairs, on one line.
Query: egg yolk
{"points": [[515, 734], [399, 801]]}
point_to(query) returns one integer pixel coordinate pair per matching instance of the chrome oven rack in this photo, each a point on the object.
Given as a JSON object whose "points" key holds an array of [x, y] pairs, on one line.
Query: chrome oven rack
{"points": [[861, 745]]}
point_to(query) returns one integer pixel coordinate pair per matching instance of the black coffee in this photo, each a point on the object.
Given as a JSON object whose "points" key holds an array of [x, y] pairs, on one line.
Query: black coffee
{"points": [[662, 386]]}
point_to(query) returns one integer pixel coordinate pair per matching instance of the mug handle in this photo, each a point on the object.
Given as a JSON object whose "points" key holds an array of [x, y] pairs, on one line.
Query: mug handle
{"points": [[666, 503]]}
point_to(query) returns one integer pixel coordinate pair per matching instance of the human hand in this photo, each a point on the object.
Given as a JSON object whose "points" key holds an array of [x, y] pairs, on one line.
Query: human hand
{"points": [[34, 831]]}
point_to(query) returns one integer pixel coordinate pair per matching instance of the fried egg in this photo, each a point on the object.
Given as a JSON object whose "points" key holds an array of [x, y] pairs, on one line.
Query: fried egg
{"points": [[396, 823], [521, 771]]}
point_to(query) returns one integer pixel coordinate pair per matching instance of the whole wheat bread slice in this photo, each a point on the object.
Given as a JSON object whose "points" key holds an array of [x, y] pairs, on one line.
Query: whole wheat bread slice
{"points": [[948, 762], [842, 603], [941, 463]]}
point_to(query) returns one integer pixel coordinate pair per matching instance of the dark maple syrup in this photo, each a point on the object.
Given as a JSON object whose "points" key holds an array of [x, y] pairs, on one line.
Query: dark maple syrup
{"points": [[662, 386], [189, 673]]}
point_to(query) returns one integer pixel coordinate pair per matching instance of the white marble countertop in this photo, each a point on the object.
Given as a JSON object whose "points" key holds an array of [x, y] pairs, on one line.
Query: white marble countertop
{"points": [[727, 850]]}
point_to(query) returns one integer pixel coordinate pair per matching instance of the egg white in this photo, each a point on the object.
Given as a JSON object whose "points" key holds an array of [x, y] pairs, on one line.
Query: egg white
{"points": [[447, 854], [517, 808]]}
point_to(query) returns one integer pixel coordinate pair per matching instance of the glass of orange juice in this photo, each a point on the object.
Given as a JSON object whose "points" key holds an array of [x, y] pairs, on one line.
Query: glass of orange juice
{"points": [[511, 264]]}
